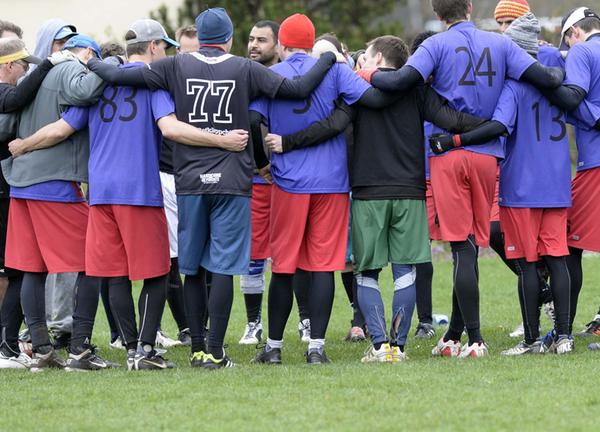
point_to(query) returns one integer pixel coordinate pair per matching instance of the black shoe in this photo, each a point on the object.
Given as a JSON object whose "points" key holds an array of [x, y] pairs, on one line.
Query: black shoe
{"points": [[424, 331], [591, 329], [150, 361], [88, 360], [50, 360], [61, 341], [273, 356], [185, 337], [212, 363], [317, 357], [197, 359]]}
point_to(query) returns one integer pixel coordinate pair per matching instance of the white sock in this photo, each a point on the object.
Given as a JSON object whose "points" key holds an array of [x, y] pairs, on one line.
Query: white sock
{"points": [[316, 344], [273, 344]]}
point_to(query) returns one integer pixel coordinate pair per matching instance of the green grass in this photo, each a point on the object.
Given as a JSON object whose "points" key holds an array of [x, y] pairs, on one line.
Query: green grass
{"points": [[495, 393]]}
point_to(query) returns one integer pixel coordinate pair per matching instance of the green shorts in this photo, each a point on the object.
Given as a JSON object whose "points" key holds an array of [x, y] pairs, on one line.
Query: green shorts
{"points": [[389, 231]]}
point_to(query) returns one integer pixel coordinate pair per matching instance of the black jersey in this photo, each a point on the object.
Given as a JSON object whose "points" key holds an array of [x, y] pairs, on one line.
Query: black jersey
{"points": [[212, 91]]}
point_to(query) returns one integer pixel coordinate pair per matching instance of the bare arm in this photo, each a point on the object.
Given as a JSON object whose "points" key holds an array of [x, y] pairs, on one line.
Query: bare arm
{"points": [[48, 136]]}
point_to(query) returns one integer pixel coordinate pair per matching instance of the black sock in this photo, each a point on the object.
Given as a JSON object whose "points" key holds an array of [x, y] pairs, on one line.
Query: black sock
{"points": [[466, 286], [104, 295], [219, 309], [529, 298], [33, 300], [322, 290], [576, 273], [175, 295], [194, 293], [11, 313], [123, 309], [560, 284], [253, 306], [86, 304], [424, 302], [301, 284], [281, 299], [497, 244], [150, 306]]}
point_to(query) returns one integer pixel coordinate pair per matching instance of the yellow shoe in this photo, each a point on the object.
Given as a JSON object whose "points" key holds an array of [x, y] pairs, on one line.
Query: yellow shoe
{"points": [[382, 355]]}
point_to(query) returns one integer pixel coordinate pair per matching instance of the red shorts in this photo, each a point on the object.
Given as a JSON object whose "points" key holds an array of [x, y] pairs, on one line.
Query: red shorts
{"points": [[124, 240], [534, 232], [432, 219], [584, 215], [308, 231], [464, 191], [495, 214], [261, 214], [45, 236]]}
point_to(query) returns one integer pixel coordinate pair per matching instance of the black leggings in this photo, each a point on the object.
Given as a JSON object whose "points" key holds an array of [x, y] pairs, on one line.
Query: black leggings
{"points": [[574, 263], [11, 313], [87, 296], [424, 302]]}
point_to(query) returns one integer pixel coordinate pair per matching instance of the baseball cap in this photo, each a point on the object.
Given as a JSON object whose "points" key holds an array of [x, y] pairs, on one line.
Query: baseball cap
{"points": [[83, 41], [572, 18], [147, 30], [20, 53], [66, 31]]}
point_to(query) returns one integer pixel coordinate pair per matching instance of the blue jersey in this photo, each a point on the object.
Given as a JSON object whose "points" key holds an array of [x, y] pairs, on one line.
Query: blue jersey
{"points": [[53, 190], [536, 172], [583, 71], [322, 168], [469, 67], [124, 144]]}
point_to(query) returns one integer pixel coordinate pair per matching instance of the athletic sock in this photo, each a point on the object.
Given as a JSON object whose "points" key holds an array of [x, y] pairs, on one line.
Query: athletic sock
{"points": [[316, 344], [123, 309], [175, 295], [150, 306], [371, 303], [528, 298], [11, 313], [273, 344], [219, 309], [322, 290], [33, 300], [424, 283], [253, 306], [301, 285], [281, 298], [86, 304], [560, 284], [194, 293], [403, 303]]}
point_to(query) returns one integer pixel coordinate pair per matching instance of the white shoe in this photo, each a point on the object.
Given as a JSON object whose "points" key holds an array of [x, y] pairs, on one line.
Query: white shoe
{"points": [[165, 341], [523, 348], [518, 332], [21, 361], [117, 344], [563, 345], [382, 355], [398, 356], [252, 334], [478, 349], [304, 330], [446, 349]]}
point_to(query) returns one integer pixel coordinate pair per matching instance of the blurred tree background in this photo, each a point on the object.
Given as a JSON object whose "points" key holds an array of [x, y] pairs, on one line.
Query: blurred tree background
{"points": [[354, 21]]}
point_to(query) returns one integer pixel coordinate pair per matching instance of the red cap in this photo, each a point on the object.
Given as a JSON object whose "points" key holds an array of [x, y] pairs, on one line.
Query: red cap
{"points": [[297, 31]]}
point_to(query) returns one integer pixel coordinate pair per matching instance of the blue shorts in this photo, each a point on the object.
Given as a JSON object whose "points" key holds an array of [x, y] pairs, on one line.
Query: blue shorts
{"points": [[214, 233]]}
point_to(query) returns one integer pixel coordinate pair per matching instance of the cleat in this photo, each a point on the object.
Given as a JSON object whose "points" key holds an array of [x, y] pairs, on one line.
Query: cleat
{"points": [[356, 334], [594, 346], [382, 355], [185, 337], [10, 359], [212, 363], [151, 360], [446, 349], [591, 329], [252, 334], [424, 331], [523, 348], [163, 340], [50, 360], [317, 356], [304, 330], [518, 332], [563, 345], [197, 359], [268, 355], [117, 343], [88, 360], [398, 356], [478, 349]]}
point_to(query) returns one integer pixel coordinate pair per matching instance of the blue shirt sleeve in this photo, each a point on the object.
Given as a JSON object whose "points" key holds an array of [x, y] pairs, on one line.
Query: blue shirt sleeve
{"points": [[162, 104], [261, 105], [351, 87], [424, 60], [578, 68], [517, 60], [76, 117], [506, 109]]}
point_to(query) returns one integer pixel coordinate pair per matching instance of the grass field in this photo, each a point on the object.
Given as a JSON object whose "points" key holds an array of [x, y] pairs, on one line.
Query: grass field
{"points": [[495, 393]]}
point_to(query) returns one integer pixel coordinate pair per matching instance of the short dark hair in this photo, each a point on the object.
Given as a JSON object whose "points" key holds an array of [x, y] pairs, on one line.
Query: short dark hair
{"points": [[111, 49], [11, 27], [418, 40], [451, 10], [393, 49], [332, 37], [188, 31], [138, 48], [588, 24], [272, 25]]}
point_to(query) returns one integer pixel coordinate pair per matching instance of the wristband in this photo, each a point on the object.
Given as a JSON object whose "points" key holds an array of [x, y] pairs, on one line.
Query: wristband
{"points": [[456, 140]]}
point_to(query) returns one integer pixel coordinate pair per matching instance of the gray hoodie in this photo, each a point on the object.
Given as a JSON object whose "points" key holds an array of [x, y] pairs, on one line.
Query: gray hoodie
{"points": [[45, 37]]}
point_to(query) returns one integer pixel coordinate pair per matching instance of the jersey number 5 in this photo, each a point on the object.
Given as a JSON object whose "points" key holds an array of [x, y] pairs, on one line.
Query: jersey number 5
{"points": [[202, 90]]}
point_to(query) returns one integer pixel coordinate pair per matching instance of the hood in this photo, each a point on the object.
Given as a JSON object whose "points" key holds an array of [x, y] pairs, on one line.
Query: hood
{"points": [[45, 36]]}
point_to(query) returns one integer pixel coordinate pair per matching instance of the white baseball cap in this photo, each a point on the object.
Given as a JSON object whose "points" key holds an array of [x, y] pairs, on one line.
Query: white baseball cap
{"points": [[573, 18]]}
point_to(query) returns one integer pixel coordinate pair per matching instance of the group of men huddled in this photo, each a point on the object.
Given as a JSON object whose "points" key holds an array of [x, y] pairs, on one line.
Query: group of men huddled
{"points": [[208, 165]]}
